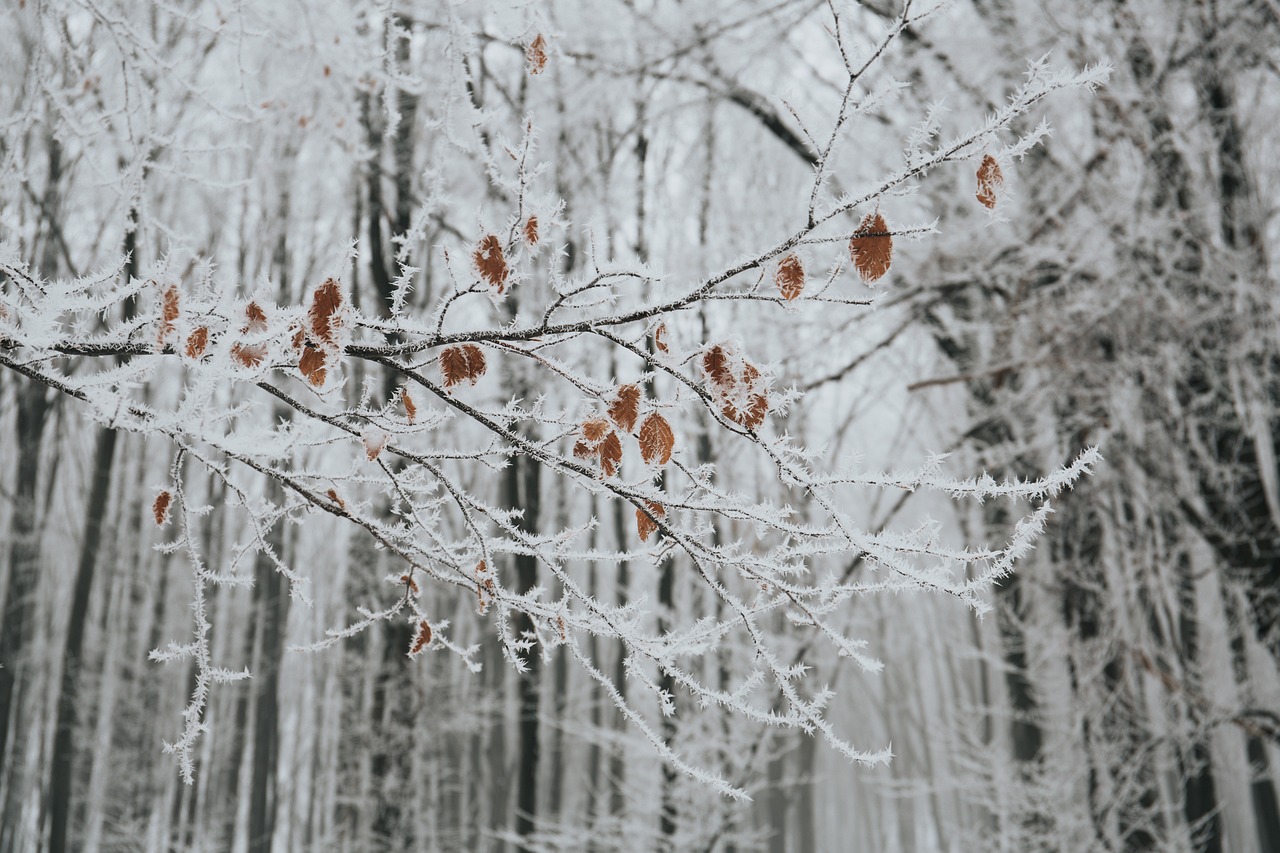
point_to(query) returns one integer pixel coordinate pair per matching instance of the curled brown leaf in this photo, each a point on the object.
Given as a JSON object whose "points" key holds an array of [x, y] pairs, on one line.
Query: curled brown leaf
{"points": [[871, 248]]}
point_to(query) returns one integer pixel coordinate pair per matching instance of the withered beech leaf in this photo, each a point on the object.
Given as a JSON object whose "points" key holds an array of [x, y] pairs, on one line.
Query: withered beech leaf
{"points": [[625, 408], [790, 277], [374, 440], [645, 525], [656, 440], [715, 364], [463, 363], [610, 453], [248, 355], [160, 507], [332, 495], [757, 408], [871, 247], [490, 263], [256, 319], [422, 638], [536, 55], [323, 317], [990, 181], [197, 341], [531, 231], [312, 365], [168, 313], [594, 429], [660, 337], [410, 408]]}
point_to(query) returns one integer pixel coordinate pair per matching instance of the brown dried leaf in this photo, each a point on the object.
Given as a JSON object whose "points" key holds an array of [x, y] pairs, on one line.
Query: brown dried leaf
{"points": [[610, 454], [422, 639], [332, 495], [249, 355], [660, 337], [536, 55], [312, 366], [757, 408], [197, 341], [790, 277], [257, 319], [464, 363], [531, 231], [490, 262], [407, 580], [990, 181], [374, 441], [656, 440], [484, 584], [168, 313], [871, 248], [160, 507], [410, 408], [594, 430], [582, 450], [625, 408], [323, 317], [645, 525], [715, 364]]}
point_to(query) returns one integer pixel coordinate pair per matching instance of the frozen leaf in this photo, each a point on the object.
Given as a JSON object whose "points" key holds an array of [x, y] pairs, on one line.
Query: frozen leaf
{"points": [[715, 364], [464, 363], [610, 454], [248, 355], [490, 263], [332, 495], [410, 408], [256, 319], [990, 181], [160, 507], [422, 639], [660, 337], [625, 408], [645, 524], [531, 231], [790, 277], [197, 341], [312, 366], [536, 55], [871, 248], [168, 313], [374, 441], [656, 440], [594, 430], [323, 316]]}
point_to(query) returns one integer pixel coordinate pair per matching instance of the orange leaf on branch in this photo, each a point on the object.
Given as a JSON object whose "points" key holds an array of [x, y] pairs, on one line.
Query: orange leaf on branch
{"points": [[656, 440], [790, 277], [463, 363], [312, 365], [536, 55], [160, 507], [871, 248], [990, 182], [168, 313], [422, 639], [645, 524], [625, 408], [197, 341], [490, 262], [323, 316]]}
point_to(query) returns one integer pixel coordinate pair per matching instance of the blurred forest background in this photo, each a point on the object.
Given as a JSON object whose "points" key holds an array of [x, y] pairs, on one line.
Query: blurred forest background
{"points": [[1124, 695]]}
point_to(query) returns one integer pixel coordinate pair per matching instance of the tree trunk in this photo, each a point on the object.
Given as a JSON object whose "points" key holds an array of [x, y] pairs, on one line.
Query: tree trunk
{"points": [[63, 760]]}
